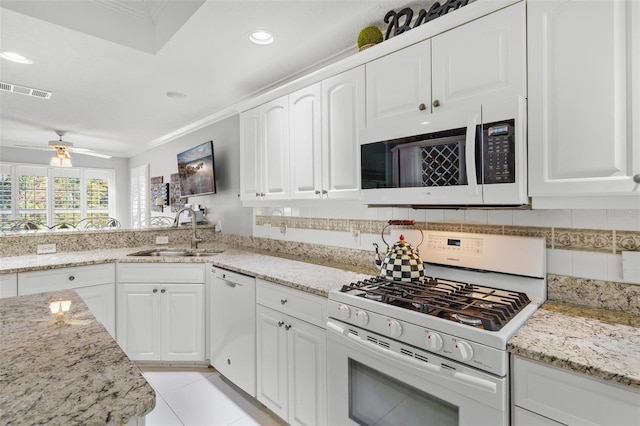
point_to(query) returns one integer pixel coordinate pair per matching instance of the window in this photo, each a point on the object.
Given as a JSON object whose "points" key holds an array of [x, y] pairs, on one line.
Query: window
{"points": [[140, 209], [49, 196]]}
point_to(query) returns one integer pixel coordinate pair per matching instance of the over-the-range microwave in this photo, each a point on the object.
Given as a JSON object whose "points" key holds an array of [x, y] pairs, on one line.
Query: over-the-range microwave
{"points": [[472, 157]]}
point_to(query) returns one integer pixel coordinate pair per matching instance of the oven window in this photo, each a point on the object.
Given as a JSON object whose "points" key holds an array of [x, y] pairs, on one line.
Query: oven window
{"points": [[378, 399]]}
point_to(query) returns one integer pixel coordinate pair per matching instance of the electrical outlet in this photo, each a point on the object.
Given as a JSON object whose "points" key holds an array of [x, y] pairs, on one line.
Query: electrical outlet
{"points": [[162, 239], [218, 225], [46, 248]]}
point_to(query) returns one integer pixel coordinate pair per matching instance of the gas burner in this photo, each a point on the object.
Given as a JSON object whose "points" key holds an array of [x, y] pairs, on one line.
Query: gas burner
{"points": [[466, 303]]}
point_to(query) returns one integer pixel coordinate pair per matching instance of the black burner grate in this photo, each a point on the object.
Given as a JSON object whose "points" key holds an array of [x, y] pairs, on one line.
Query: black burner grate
{"points": [[470, 304]]}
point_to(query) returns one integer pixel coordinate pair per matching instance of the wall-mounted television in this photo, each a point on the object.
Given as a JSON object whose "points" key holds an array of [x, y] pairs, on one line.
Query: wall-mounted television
{"points": [[196, 170]]}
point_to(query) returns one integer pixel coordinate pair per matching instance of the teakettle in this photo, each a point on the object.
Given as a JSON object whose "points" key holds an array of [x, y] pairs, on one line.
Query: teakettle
{"points": [[401, 262]]}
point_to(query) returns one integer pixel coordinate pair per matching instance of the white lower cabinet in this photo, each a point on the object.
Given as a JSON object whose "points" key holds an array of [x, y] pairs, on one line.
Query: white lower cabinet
{"points": [[94, 283], [291, 354], [161, 317], [8, 285], [547, 395]]}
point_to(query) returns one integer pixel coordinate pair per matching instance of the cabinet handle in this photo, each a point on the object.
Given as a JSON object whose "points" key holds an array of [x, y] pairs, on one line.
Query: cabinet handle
{"points": [[436, 103], [224, 276], [287, 327], [636, 178], [283, 301], [422, 107], [163, 291], [155, 290], [71, 278], [280, 323]]}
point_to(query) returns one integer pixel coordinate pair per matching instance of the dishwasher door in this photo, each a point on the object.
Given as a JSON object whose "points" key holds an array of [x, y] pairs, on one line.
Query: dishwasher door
{"points": [[233, 327]]}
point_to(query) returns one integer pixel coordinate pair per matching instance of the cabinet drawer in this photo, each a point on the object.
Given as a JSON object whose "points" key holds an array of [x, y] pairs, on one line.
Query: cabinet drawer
{"points": [[305, 306], [573, 398], [161, 273], [522, 417], [65, 278]]}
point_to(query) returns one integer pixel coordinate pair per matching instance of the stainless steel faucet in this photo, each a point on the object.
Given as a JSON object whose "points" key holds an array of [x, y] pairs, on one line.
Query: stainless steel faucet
{"points": [[194, 238]]}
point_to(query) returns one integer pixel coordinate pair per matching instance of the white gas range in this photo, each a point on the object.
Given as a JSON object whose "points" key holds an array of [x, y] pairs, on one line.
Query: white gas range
{"points": [[437, 345]]}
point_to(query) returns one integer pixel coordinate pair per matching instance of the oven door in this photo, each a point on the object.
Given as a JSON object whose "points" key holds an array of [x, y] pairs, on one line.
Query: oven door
{"points": [[375, 380]]}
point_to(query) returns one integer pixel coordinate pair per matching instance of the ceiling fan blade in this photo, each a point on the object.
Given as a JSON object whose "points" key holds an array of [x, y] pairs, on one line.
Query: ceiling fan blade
{"points": [[84, 151], [39, 148]]}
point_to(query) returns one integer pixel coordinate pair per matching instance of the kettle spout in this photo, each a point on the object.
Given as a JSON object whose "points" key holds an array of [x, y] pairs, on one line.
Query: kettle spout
{"points": [[378, 260]]}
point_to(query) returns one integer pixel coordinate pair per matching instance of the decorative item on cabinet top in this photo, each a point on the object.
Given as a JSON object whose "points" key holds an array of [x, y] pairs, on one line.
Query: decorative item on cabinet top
{"points": [[400, 22], [369, 36]]}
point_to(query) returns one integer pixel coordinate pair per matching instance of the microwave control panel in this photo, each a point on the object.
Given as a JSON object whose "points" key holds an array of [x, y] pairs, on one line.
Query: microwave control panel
{"points": [[499, 152]]}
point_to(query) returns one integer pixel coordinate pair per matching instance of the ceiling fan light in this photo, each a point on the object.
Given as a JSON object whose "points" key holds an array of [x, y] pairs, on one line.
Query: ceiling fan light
{"points": [[61, 159]]}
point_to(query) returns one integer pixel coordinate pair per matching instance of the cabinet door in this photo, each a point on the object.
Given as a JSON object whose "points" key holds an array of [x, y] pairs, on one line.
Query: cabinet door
{"points": [[583, 70], [101, 300], [138, 321], [271, 359], [8, 285], [250, 136], [305, 140], [182, 322], [398, 94], [275, 158], [482, 60], [342, 117], [307, 373]]}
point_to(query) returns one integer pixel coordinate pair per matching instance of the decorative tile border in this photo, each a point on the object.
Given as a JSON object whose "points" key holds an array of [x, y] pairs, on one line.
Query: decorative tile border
{"points": [[595, 240]]}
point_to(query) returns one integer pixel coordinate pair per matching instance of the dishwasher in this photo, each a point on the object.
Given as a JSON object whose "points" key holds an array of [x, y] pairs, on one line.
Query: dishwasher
{"points": [[233, 327]]}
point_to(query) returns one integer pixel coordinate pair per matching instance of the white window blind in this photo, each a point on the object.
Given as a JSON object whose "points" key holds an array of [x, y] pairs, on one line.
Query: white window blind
{"points": [[140, 208]]}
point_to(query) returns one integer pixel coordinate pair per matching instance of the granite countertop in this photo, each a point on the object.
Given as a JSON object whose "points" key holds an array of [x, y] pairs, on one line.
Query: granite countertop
{"points": [[70, 373], [595, 342], [306, 276]]}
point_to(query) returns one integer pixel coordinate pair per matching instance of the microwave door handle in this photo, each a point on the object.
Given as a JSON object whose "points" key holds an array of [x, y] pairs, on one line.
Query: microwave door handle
{"points": [[470, 154]]}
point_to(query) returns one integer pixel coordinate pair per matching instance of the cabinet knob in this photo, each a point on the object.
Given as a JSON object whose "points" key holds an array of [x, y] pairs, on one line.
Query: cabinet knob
{"points": [[636, 178], [422, 107], [436, 103], [163, 291], [155, 290], [71, 278], [283, 301], [280, 323], [325, 192], [316, 192], [287, 327], [224, 276], [262, 194]]}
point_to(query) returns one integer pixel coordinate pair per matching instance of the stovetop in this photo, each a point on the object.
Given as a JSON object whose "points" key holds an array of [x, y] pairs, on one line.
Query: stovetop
{"points": [[469, 304]]}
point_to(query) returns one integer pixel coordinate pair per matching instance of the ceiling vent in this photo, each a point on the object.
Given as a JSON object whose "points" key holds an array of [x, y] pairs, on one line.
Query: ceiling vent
{"points": [[37, 93]]}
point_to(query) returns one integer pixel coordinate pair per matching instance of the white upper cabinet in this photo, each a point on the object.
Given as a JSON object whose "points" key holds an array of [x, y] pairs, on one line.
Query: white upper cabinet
{"points": [[479, 61], [398, 91], [342, 117], [264, 151], [584, 69], [306, 142]]}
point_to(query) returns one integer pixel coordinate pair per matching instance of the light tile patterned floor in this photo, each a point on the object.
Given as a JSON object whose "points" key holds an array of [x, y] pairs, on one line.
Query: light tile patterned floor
{"points": [[201, 397]]}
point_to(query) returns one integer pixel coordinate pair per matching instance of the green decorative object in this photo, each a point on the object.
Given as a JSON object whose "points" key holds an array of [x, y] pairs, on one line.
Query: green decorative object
{"points": [[368, 37]]}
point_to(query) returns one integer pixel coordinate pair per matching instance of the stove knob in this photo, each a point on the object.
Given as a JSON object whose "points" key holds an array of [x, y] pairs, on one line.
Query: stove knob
{"points": [[465, 351], [361, 318], [434, 341], [344, 312], [394, 329]]}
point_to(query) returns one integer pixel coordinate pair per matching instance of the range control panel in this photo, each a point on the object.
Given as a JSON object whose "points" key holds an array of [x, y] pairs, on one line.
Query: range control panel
{"points": [[472, 246], [499, 152]]}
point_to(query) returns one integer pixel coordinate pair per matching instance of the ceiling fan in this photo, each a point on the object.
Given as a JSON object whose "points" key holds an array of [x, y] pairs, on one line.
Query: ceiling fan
{"points": [[63, 148]]}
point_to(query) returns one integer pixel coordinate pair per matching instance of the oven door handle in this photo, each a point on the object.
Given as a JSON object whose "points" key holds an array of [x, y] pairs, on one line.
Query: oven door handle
{"points": [[464, 378]]}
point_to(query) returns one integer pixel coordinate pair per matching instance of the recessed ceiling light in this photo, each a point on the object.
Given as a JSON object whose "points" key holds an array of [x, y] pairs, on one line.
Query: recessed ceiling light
{"points": [[15, 57], [261, 37], [176, 95]]}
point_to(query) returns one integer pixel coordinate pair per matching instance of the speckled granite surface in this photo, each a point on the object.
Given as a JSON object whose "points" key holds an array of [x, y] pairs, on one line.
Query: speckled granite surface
{"points": [[72, 373], [571, 338]]}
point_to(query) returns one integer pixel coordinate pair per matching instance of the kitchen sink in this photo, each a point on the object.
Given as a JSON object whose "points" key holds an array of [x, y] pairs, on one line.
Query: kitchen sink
{"points": [[176, 253]]}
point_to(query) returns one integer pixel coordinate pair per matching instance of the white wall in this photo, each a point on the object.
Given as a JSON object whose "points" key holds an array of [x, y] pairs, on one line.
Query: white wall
{"points": [[225, 204], [119, 164]]}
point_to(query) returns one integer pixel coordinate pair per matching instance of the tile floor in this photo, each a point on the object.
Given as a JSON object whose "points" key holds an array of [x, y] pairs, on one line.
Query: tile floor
{"points": [[202, 397]]}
